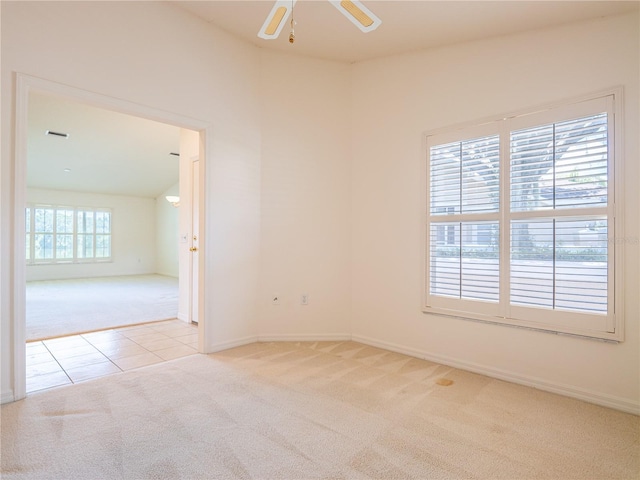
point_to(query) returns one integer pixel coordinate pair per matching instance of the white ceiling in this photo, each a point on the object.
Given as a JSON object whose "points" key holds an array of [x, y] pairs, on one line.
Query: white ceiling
{"points": [[323, 32], [107, 152]]}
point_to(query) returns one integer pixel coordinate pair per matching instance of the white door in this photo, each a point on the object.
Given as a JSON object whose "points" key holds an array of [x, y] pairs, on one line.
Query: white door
{"points": [[195, 240]]}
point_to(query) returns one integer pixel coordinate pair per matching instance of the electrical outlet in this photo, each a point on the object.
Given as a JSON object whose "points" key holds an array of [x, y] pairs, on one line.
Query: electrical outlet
{"points": [[275, 299], [304, 299]]}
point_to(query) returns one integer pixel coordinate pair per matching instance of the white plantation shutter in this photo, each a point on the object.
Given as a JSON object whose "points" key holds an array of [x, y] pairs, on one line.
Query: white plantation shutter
{"points": [[480, 175], [464, 203], [562, 165], [465, 176], [534, 250], [445, 178], [563, 264]]}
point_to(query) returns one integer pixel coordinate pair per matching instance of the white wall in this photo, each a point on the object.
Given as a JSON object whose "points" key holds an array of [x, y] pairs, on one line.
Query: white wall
{"points": [[306, 192], [150, 54], [395, 101], [167, 234], [133, 247]]}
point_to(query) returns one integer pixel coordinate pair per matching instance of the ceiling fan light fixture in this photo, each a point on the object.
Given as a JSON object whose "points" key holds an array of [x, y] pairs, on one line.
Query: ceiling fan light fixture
{"points": [[359, 15], [276, 19]]}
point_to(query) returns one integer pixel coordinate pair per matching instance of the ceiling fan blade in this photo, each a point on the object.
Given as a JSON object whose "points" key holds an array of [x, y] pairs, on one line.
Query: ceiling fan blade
{"points": [[276, 19], [361, 16]]}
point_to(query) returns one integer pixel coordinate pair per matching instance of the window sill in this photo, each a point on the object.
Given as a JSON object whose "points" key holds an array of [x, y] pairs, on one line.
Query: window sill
{"points": [[525, 325]]}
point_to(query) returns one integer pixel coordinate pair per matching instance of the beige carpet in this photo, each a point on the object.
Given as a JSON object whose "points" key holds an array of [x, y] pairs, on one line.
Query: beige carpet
{"points": [[62, 307], [311, 410]]}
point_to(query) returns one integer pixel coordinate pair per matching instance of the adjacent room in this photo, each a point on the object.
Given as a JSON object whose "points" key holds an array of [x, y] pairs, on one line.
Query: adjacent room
{"points": [[101, 237], [101, 243], [418, 238]]}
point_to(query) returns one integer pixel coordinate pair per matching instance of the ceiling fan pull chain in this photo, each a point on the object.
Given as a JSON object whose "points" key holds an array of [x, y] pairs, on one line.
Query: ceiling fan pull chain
{"points": [[292, 36]]}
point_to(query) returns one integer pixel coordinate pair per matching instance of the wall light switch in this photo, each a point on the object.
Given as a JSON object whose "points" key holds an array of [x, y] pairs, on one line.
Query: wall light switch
{"points": [[275, 299], [304, 299]]}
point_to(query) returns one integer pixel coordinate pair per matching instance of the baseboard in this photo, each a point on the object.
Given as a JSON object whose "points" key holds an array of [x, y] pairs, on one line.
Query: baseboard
{"points": [[338, 337], [218, 347], [301, 337], [183, 316], [7, 397], [597, 398]]}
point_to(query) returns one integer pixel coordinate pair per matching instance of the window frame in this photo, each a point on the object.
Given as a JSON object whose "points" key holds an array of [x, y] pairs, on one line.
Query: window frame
{"points": [[30, 233], [564, 322]]}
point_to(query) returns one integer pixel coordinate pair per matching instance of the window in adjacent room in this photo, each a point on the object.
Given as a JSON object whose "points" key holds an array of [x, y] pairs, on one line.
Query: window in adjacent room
{"points": [[67, 234], [521, 220]]}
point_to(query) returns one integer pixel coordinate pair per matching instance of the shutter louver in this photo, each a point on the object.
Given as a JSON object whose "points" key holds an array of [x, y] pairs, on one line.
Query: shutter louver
{"points": [[563, 165], [560, 264], [464, 256], [465, 176]]}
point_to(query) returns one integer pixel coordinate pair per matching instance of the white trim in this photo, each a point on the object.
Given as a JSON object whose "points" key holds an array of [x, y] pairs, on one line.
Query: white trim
{"points": [[7, 397], [48, 87], [609, 401], [301, 337], [17, 285], [218, 347], [337, 337], [205, 148], [523, 112], [25, 84], [619, 211]]}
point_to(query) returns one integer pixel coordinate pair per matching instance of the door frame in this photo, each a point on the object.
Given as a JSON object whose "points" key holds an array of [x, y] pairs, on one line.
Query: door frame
{"points": [[25, 84], [195, 240]]}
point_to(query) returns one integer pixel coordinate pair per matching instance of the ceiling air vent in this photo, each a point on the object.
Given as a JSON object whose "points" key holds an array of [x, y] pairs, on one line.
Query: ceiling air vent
{"points": [[56, 134]]}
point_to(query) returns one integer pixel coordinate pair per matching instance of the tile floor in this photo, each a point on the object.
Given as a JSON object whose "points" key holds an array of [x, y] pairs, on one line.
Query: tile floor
{"points": [[73, 359]]}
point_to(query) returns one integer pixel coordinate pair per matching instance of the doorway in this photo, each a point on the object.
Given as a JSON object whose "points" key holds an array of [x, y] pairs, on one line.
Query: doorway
{"points": [[101, 237], [29, 85]]}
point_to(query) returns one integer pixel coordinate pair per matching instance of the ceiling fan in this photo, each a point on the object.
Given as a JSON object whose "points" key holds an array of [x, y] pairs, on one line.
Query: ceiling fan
{"points": [[354, 10]]}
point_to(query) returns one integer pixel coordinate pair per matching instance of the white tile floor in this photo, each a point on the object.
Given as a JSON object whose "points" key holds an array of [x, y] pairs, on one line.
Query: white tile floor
{"points": [[73, 359]]}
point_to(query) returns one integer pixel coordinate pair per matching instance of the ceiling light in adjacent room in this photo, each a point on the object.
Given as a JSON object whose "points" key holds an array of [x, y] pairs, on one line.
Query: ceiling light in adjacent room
{"points": [[173, 200]]}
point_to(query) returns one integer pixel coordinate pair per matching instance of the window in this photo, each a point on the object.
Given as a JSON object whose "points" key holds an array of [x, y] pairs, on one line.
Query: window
{"points": [[67, 234], [520, 220]]}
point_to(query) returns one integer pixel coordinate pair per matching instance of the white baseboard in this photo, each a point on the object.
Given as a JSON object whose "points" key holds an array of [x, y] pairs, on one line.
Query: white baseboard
{"points": [[336, 337], [295, 337], [218, 347], [183, 316], [7, 397], [597, 398]]}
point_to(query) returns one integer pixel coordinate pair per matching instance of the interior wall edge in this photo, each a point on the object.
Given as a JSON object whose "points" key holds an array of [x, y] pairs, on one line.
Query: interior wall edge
{"points": [[7, 397], [567, 390]]}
